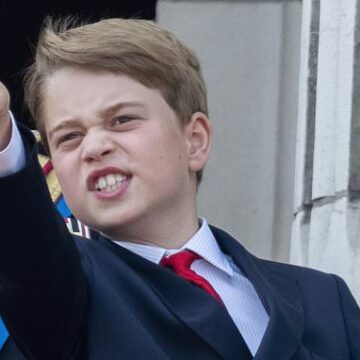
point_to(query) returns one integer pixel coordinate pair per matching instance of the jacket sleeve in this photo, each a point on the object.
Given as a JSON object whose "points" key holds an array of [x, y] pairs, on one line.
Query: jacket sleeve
{"points": [[351, 315], [42, 285]]}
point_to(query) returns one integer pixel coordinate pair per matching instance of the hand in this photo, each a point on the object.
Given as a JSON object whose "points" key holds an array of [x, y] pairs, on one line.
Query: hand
{"points": [[5, 121]]}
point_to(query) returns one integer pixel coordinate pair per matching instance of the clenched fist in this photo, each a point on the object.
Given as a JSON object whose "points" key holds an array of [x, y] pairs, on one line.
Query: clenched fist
{"points": [[5, 122]]}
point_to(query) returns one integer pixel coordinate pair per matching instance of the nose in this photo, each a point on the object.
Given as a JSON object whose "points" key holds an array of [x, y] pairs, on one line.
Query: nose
{"points": [[96, 146]]}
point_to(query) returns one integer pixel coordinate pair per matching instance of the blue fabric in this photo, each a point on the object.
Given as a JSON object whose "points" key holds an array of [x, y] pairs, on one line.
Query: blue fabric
{"points": [[63, 208], [3, 334]]}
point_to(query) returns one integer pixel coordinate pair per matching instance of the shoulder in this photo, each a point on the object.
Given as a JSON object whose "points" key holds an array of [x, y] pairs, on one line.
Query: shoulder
{"points": [[308, 280], [315, 286], [299, 273]]}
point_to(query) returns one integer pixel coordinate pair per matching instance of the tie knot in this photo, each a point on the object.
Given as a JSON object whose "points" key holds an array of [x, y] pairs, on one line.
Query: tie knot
{"points": [[180, 261], [180, 264]]}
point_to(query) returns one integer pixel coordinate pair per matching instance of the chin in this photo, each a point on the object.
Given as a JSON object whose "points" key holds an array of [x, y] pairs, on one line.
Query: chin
{"points": [[110, 228]]}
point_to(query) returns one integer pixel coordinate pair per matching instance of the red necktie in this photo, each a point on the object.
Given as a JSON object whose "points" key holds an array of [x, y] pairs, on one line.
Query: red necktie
{"points": [[180, 263]]}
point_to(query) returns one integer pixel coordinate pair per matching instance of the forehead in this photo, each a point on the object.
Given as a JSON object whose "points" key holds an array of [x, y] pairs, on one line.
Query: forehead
{"points": [[72, 90], [86, 83]]}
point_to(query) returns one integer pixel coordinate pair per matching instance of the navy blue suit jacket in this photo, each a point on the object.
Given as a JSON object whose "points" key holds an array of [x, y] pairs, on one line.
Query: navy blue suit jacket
{"points": [[68, 298]]}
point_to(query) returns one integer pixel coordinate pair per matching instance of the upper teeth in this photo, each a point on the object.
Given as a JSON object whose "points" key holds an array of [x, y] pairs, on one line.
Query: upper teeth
{"points": [[109, 182]]}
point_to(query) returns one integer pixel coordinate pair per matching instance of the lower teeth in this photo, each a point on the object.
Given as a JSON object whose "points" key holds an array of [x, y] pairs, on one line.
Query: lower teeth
{"points": [[109, 188]]}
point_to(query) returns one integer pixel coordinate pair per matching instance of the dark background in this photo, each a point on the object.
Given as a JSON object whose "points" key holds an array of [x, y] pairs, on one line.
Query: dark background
{"points": [[20, 22]]}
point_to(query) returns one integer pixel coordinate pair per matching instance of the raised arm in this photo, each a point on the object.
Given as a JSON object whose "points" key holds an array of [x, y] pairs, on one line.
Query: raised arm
{"points": [[42, 286]]}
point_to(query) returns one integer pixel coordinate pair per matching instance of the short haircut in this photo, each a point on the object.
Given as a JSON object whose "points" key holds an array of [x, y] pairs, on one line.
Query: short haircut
{"points": [[139, 49]]}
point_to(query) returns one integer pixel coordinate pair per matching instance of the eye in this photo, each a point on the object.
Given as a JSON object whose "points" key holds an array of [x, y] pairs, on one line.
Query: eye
{"points": [[69, 137], [122, 119]]}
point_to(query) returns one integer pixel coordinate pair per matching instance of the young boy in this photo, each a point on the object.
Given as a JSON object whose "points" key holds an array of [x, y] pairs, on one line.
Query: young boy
{"points": [[121, 107]]}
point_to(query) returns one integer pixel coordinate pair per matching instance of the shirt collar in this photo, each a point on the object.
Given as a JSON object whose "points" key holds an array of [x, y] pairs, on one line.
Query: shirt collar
{"points": [[202, 243]]}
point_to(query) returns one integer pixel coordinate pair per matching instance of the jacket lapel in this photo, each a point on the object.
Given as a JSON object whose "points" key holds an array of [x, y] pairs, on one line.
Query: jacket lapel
{"points": [[280, 296], [189, 304]]}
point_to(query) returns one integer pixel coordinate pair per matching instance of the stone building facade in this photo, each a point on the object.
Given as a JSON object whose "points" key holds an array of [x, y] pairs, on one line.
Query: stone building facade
{"points": [[326, 229]]}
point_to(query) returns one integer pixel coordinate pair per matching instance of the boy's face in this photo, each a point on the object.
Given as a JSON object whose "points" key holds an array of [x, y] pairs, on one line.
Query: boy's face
{"points": [[123, 160]]}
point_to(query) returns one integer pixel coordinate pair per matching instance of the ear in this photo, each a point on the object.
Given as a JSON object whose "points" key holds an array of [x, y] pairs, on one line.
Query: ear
{"points": [[199, 137]]}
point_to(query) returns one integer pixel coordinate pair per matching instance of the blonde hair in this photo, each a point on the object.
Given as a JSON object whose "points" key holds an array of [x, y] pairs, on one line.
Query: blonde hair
{"points": [[137, 48]]}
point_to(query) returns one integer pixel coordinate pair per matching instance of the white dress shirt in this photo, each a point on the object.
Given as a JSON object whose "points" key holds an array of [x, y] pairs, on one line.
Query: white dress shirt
{"points": [[12, 158], [236, 291]]}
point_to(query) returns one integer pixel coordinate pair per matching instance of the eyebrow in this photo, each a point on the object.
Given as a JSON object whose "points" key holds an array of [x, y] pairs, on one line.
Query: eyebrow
{"points": [[64, 125], [120, 105], [108, 111]]}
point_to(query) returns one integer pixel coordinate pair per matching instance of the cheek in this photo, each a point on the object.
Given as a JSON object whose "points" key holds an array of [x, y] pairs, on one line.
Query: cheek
{"points": [[171, 161], [70, 189], [65, 174]]}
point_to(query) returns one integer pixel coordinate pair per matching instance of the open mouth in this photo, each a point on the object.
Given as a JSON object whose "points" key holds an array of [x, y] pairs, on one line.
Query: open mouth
{"points": [[107, 180], [110, 182]]}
